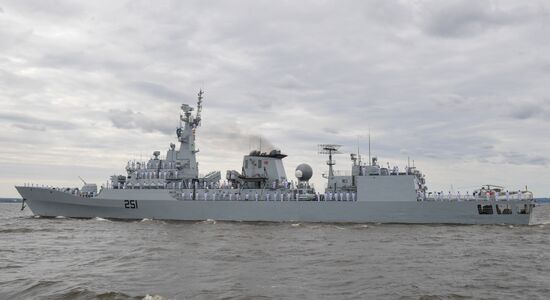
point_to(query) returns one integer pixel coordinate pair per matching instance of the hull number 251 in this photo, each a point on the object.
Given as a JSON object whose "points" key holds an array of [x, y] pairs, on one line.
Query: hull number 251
{"points": [[130, 204]]}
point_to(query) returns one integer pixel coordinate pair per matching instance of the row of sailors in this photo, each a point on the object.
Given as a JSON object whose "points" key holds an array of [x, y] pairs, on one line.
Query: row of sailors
{"points": [[377, 170], [171, 185], [478, 195], [155, 174], [152, 164], [277, 196], [205, 185]]}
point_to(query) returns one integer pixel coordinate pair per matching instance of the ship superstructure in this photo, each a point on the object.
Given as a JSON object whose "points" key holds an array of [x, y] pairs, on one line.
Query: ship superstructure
{"points": [[170, 187], [179, 168]]}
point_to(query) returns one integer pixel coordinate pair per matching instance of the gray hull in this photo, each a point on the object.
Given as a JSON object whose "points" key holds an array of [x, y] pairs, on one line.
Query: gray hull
{"points": [[47, 202]]}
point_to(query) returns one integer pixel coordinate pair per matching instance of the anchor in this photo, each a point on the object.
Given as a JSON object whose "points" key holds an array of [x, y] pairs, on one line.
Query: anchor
{"points": [[23, 204]]}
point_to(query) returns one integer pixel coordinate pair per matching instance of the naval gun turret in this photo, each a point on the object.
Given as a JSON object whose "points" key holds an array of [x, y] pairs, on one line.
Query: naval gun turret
{"points": [[88, 189]]}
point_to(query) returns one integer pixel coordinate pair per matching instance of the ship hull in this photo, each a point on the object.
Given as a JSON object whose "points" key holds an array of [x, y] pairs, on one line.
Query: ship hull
{"points": [[160, 205]]}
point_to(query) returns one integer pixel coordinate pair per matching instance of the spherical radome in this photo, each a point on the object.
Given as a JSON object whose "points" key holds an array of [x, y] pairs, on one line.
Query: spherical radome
{"points": [[303, 172]]}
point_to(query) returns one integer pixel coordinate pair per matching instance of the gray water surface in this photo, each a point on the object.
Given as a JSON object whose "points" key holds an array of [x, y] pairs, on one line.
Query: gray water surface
{"points": [[101, 259]]}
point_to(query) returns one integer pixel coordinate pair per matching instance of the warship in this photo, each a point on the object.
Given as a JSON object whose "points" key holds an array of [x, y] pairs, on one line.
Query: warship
{"points": [[170, 188]]}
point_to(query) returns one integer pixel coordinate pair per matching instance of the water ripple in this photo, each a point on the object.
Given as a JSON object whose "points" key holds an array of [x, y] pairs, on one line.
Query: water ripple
{"points": [[50, 258]]}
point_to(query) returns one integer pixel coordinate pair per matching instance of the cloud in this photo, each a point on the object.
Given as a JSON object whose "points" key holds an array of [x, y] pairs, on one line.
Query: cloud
{"points": [[525, 158], [525, 112], [455, 85], [457, 19], [30, 127], [234, 138], [32, 123], [528, 109], [132, 120], [156, 90]]}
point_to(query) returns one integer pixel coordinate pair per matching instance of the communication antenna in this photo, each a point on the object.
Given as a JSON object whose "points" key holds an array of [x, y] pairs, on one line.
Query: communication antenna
{"points": [[358, 153], [196, 122], [82, 180], [199, 109], [260, 144], [330, 149], [370, 160]]}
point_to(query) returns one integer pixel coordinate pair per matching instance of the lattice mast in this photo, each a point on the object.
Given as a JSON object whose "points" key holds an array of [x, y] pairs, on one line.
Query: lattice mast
{"points": [[330, 149]]}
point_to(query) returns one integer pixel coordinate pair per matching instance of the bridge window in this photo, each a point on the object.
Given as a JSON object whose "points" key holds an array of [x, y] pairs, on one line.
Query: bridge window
{"points": [[523, 209], [485, 209], [504, 209]]}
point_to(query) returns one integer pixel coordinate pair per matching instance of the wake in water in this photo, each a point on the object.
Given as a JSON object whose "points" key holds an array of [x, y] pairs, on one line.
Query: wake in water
{"points": [[154, 297], [207, 221]]}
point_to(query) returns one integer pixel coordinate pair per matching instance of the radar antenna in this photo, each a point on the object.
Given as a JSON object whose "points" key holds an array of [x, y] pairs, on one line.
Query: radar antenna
{"points": [[330, 149], [197, 121]]}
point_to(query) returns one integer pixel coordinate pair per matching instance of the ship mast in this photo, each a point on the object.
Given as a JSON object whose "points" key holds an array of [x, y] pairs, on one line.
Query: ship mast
{"points": [[186, 136], [330, 149]]}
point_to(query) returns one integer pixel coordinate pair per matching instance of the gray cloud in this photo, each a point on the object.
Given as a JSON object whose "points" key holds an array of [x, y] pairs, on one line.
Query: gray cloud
{"points": [[467, 18], [520, 159], [156, 90], [129, 119], [454, 85], [18, 83], [525, 112], [331, 130], [30, 127], [235, 138], [32, 123]]}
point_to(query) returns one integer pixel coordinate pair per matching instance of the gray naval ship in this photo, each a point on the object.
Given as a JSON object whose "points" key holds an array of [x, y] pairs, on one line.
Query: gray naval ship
{"points": [[170, 188]]}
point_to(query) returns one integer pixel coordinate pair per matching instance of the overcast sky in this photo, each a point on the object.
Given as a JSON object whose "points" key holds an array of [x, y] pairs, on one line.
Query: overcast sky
{"points": [[462, 87]]}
